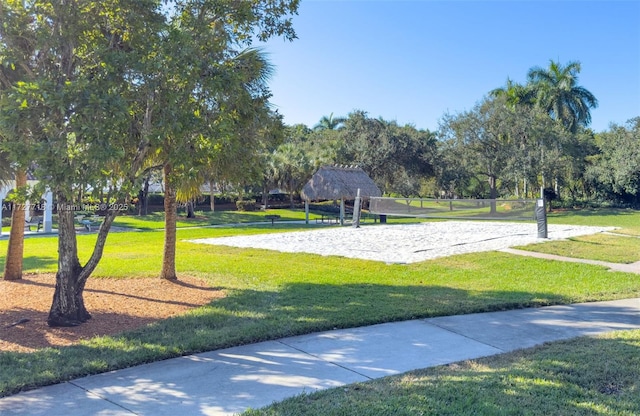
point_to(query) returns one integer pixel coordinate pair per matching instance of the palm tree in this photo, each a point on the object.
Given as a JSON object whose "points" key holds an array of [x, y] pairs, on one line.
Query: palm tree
{"points": [[329, 123], [558, 93], [237, 105], [291, 168], [514, 93]]}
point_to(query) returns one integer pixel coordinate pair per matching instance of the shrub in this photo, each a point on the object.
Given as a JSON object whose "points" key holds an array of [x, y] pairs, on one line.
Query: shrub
{"points": [[246, 205]]}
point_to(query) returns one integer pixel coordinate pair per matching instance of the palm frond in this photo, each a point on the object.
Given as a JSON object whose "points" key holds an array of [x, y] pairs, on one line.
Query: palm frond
{"points": [[253, 67], [329, 123], [557, 92]]}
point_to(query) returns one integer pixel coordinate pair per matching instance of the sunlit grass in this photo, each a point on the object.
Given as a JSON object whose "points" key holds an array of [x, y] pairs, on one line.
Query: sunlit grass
{"points": [[627, 219], [604, 247]]}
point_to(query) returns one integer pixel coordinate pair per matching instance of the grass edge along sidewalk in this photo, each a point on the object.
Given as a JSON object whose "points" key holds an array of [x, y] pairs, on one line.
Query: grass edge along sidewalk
{"points": [[582, 376]]}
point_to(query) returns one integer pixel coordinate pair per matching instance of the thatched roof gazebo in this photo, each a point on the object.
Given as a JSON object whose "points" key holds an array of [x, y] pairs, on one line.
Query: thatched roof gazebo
{"points": [[338, 182]]}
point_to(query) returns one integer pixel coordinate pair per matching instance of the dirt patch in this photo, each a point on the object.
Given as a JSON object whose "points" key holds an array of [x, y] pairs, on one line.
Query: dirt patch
{"points": [[116, 305]]}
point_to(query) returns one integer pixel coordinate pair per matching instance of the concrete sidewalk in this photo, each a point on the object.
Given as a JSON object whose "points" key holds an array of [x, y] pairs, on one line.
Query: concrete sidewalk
{"points": [[228, 381]]}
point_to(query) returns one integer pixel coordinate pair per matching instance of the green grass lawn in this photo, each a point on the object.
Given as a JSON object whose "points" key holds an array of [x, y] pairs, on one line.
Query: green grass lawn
{"points": [[627, 219], [584, 376], [271, 295], [604, 247]]}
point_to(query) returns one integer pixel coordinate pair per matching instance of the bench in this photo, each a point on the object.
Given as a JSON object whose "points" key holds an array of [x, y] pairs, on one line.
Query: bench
{"points": [[88, 222], [272, 218], [366, 216], [330, 219], [35, 221]]}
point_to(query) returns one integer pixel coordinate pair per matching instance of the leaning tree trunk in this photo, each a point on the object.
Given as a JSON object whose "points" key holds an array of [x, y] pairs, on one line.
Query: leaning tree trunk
{"points": [[170, 212], [15, 250], [67, 308]]}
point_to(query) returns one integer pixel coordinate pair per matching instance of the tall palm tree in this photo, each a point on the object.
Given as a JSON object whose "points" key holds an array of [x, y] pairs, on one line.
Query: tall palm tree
{"points": [[558, 93], [329, 123]]}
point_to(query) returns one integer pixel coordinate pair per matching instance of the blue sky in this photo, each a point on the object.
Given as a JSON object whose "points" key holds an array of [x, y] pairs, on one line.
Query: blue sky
{"points": [[413, 61]]}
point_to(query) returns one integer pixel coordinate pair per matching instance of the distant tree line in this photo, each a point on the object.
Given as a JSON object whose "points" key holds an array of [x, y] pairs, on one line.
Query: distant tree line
{"points": [[517, 140]]}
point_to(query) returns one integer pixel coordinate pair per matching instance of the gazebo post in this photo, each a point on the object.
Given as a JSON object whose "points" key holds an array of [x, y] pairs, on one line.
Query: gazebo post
{"points": [[306, 211], [342, 211], [355, 222]]}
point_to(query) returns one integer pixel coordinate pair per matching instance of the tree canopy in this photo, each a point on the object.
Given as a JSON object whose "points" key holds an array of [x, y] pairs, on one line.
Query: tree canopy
{"points": [[92, 90]]}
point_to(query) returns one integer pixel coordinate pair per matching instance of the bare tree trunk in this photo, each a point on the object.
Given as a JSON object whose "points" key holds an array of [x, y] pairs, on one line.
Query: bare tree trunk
{"points": [[140, 202], [143, 198], [190, 207], [265, 195], [170, 212], [291, 203], [15, 250], [212, 202], [67, 308], [493, 193]]}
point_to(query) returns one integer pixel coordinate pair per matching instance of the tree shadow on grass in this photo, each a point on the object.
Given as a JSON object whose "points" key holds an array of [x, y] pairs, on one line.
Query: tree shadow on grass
{"points": [[34, 262], [39, 262], [247, 316], [155, 300]]}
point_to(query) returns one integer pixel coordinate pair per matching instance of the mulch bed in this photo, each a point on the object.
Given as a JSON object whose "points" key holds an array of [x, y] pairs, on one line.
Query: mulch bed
{"points": [[116, 305]]}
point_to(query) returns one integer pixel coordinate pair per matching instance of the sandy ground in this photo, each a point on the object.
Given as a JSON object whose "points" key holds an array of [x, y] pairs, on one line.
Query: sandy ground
{"points": [[406, 243]]}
